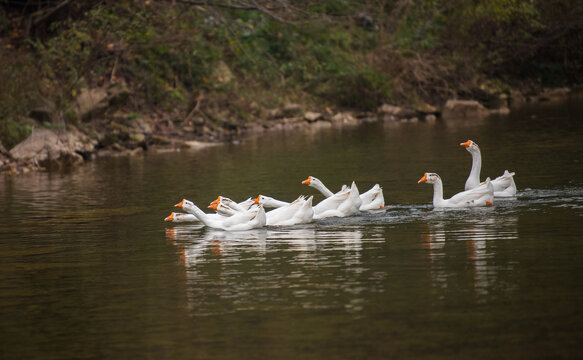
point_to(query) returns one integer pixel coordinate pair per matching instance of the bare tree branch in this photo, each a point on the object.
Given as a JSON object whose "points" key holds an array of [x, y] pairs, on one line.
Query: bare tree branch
{"points": [[49, 12]]}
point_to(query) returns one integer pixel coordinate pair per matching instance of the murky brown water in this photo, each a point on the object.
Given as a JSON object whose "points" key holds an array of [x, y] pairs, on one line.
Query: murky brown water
{"points": [[89, 269]]}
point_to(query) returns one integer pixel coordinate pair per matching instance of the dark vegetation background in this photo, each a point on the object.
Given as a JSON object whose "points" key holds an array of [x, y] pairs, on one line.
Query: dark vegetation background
{"points": [[245, 57]]}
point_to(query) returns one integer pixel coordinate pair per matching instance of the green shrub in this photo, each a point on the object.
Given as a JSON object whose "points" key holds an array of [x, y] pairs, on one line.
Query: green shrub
{"points": [[168, 52], [19, 84], [13, 132]]}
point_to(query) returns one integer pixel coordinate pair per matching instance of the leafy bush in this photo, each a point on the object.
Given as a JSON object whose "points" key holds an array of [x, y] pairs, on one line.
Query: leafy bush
{"points": [[338, 52], [19, 81]]}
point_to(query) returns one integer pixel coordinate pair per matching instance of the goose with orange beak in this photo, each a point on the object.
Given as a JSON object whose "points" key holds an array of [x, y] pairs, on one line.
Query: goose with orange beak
{"points": [[504, 185], [242, 206], [247, 220], [223, 210], [344, 203], [373, 199], [269, 202], [482, 195], [220, 209], [299, 211], [180, 218]]}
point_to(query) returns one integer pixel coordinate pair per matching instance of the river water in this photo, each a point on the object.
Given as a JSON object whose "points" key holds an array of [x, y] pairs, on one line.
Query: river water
{"points": [[89, 269]]}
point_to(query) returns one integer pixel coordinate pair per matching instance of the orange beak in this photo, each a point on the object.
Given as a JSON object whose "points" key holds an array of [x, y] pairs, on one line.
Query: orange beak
{"points": [[218, 200], [381, 207], [489, 203], [307, 181], [256, 201], [423, 179], [169, 217], [214, 206], [466, 144], [180, 204]]}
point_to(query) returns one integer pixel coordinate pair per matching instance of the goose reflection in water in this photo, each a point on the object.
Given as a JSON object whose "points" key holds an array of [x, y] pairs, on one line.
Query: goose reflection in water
{"points": [[212, 242], [480, 237], [299, 239], [222, 267]]}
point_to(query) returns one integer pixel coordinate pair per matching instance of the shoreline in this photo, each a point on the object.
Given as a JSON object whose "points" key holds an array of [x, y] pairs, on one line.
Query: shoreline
{"points": [[58, 149]]}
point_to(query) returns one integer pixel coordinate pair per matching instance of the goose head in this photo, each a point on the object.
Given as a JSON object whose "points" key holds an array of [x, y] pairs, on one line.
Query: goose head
{"points": [[179, 217], [222, 199], [224, 210], [183, 203], [266, 201], [312, 181], [429, 178], [170, 217], [214, 202], [261, 199], [187, 205], [470, 146]]}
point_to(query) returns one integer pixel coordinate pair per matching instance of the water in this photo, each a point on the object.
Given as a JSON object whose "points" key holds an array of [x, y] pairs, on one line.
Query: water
{"points": [[89, 270]]}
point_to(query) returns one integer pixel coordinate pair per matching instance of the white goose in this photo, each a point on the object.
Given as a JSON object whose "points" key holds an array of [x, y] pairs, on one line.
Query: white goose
{"points": [[373, 199], [269, 202], [348, 208], [180, 218], [481, 195], [242, 206], [341, 204], [504, 185], [224, 210], [299, 211], [250, 219], [319, 185]]}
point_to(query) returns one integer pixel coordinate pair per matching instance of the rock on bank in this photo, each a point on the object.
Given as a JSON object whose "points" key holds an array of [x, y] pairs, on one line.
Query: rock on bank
{"points": [[53, 149]]}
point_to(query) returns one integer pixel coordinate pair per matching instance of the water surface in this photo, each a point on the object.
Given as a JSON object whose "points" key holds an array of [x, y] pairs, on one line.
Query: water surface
{"points": [[89, 269]]}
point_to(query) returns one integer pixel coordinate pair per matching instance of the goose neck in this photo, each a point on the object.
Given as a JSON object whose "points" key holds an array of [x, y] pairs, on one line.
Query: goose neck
{"points": [[275, 203], [476, 165], [194, 210], [322, 188], [437, 192]]}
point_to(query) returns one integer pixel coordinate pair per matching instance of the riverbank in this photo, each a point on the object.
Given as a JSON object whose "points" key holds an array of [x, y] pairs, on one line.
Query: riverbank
{"points": [[87, 79], [122, 134]]}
